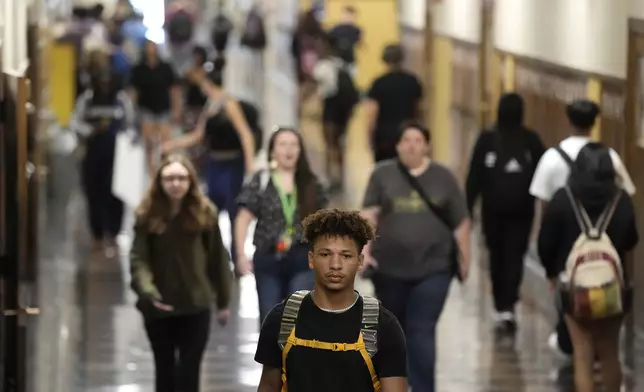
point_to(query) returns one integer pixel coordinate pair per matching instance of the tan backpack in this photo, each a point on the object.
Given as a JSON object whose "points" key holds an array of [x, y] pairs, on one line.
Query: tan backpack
{"points": [[593, 271]]}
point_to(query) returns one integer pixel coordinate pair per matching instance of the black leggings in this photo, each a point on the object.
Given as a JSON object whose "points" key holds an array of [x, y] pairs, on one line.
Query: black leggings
{"points": [[178, 344]]}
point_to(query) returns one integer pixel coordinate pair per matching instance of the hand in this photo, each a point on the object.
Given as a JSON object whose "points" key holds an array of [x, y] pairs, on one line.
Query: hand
{"points": [[465, 270], [176, 117], [166, 147], [223, 315], [161, 306], [552, 285], [244, 266]]}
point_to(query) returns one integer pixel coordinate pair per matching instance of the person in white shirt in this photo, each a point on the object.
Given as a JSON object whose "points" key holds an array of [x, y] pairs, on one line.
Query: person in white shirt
{"points": [[552, 171], [552, 174]]}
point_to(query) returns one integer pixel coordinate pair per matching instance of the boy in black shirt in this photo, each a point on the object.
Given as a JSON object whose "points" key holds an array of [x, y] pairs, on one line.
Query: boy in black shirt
{"points": [[333, 339]]}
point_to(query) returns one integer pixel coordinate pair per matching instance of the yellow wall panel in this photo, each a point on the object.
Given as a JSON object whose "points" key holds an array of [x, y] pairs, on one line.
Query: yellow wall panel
{"points": [[442, 100], [380, 27], [594, 93], [62, 81], [509, 73]]}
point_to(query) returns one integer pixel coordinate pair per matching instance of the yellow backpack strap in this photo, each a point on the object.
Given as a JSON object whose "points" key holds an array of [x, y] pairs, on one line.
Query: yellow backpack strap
{"points": [[289, 316], [370, 314]]}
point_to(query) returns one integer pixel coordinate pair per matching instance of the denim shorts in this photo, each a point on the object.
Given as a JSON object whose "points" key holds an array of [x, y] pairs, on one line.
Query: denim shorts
{"points": [[150, 116]]}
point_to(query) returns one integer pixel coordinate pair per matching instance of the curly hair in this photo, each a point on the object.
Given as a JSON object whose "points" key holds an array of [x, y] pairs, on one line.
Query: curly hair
{"points": [[197, 212], [338, 223]]}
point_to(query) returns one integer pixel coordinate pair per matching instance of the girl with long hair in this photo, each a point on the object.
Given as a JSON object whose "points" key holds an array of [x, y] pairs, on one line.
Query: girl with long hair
{"points": [[591, 193], [179, 267], [229, 141], [279, 198]]}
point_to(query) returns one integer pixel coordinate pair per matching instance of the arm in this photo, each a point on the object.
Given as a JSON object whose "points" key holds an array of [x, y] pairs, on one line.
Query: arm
{"points": [[371, 109], [236, 116], [218, 267], [248, 202], [391, 360], [128, 108], [550, 235], [176, 95], [191, 138], [271, 380], [142, 278], [372, 205], [474, 180], [77, 122], [242, 222], [459, 218], [269, 353]]}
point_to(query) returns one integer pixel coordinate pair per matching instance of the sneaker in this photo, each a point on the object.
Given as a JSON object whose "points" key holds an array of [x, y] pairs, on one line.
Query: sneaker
{"points": [[506, 322], [553, 343]]}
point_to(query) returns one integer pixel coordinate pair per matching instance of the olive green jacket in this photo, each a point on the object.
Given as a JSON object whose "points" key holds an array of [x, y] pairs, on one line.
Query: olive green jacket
{"points": [[188, 271]]}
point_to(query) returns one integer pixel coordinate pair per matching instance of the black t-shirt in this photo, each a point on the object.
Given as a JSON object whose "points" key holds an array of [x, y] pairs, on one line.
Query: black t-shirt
{"points": [[347, 37], [152, 85], [397, 94], [313, 370]]}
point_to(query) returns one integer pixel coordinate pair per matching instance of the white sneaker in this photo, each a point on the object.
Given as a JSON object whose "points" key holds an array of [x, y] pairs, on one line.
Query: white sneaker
{"points": [[553, 343]]}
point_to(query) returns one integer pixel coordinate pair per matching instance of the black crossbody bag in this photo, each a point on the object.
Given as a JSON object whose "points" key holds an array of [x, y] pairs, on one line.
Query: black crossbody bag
{"points": [[441, 214]]}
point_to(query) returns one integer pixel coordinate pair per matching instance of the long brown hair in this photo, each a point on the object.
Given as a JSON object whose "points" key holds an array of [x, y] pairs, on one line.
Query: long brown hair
{"points": [[197, 212], [305, 180]]}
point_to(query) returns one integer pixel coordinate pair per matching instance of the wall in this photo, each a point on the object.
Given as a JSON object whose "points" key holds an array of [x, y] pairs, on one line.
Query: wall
{"points": [[586, 35], [636, 9]]}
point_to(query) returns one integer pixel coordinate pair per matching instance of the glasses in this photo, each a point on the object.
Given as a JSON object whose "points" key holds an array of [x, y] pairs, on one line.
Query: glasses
{"points": [[172, 178]]}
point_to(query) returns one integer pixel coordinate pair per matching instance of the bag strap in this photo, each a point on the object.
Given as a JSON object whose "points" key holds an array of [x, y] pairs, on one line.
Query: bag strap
{"points": [[369, 330], [264, 179], [413, 182], [607, 215], [289, 315], [565, 156], [580, 213]]}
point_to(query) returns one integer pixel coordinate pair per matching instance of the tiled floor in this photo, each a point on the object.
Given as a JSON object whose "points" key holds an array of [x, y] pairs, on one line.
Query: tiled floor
{"points": [[108, 351]]}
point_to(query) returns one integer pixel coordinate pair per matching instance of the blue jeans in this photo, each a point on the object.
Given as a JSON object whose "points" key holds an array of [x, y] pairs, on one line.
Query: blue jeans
{"points": [[277, 276], [225, 179], [417, 305]]}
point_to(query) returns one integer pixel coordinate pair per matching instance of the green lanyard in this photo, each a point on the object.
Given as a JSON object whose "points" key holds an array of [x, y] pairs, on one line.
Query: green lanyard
{"points": [[289, 204]]}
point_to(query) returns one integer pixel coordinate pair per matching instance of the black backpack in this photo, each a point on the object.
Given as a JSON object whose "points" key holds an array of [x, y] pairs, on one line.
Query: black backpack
{"points": [[180, 28], [511, 176], [347, 95], [254, 35], [344, 49], [222, 26]]}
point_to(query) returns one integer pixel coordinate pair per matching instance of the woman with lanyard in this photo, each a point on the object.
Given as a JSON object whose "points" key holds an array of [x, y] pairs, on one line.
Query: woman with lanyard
{"points": [[279, 198]]}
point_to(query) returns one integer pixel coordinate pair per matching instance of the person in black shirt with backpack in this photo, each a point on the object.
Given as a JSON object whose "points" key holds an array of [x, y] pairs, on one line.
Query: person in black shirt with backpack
{"points": [[501, 170], [587, 234], [332, 338], [347, 36]]}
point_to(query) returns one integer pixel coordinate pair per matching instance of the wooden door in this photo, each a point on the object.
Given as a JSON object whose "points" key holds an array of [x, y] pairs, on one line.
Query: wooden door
{"points": [[546, 90], [634, 149]]}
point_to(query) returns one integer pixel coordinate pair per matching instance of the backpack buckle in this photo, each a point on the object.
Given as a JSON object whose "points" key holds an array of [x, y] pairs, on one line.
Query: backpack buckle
{"points": [[339, 347]]}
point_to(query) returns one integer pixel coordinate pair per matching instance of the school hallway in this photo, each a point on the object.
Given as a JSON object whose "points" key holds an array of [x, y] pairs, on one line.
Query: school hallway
{"points": [[89, 336], [100, 346]]}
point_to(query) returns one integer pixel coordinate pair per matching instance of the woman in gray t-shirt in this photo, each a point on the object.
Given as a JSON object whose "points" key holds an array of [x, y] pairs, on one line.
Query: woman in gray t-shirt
{"points": [[412, 257]]}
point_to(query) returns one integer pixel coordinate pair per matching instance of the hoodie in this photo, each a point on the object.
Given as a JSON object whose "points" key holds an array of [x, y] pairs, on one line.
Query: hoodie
{"points": [[503, 190]]}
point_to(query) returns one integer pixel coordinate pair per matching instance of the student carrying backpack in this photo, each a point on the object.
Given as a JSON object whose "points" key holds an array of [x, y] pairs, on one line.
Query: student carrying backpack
{"points": [[587, 232]]}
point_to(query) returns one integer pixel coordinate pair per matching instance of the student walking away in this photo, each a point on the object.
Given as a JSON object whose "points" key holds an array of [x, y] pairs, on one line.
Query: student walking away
{"points": [[501, 170], [100, 113], [423, 225], [305, 47], [158, 94], [180, 23], [347, 36], [222, 27], [278, 198], [195, 97], [393, 98], [179, 268], [339, 96], [254, 35], [332, 338], [552, 174], [587, 235], [230, 132]]}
